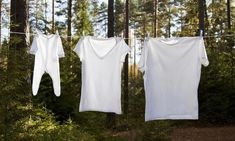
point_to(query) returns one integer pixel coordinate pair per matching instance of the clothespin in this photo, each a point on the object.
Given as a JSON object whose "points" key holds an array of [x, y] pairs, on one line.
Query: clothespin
{"points": [[122, 34], [83, 33], [57, 32], [147, 36], [37, 31], [201, 33]]}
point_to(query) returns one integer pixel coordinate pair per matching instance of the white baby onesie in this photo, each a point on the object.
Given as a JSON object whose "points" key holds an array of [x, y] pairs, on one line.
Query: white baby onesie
{"points": [[172, 69], [102, 61], [47, 50]]}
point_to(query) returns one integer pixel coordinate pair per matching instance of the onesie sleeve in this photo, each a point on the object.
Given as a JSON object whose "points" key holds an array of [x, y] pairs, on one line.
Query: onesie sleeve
{"points": [[202, 53], [60, 51], [142, 61], [124, 50], [34, 47], [79, 48]]}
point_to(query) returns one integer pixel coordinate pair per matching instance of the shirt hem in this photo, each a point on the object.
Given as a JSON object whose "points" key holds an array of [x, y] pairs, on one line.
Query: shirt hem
{"points": [[105, 111], [174, 117]]}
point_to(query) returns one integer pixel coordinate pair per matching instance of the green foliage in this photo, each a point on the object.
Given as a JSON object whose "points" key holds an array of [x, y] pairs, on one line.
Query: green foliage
{"points": [[102, 19], [119, 18], [37, 15], [82, 22], [40, 125], [216, 93]]}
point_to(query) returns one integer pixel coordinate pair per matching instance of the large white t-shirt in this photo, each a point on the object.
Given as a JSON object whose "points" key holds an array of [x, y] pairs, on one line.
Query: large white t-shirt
{"points": [[102, 61], [172, 69]]}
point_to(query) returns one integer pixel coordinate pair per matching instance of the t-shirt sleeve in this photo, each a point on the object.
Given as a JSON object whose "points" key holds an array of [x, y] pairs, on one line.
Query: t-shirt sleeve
{"points": [[60, 48], [141, 63], [79, 48], [124, 50], [202, 54], [34, 47]]}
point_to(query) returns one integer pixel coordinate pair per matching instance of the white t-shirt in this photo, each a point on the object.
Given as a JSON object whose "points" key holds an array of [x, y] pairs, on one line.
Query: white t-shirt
{"points": [[101, 73], [172, 69]]}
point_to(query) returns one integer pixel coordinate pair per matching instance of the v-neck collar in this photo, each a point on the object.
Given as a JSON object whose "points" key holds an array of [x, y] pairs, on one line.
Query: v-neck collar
{"points": [[46, 36], [90, 38]]}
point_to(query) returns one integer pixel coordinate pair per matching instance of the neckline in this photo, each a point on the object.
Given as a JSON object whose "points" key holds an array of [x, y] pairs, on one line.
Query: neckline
{"points": [[46, 36], [173, 40], [90, 38], [170, 41]]}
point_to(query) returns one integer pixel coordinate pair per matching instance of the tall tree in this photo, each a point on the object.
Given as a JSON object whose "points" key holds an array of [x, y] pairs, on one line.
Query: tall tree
{"points": [[18, 22], [155, 5], [190, 24], [36, 15], [110, 18], [0, 24], [82, 21], [62, 10], [111, 117], [228, 14], [230, 41], [17, 65], [102, 20], [126, 97], [119, 18], [45, 14], [53, 15], [201, 15], [69, 22], [94, 12]]}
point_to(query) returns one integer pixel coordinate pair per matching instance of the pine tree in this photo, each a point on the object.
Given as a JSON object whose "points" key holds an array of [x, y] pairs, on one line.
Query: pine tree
{"points": [[37, 19], [62, 13], [102, 20], [82, 21], [94, 12], [53, 15], [119, 18]]}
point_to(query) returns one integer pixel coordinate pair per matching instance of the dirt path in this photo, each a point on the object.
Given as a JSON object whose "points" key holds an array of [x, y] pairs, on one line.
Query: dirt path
{"points": [[204, 134]]}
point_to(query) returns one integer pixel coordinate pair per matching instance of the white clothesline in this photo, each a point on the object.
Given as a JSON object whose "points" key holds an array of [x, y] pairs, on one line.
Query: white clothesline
{"points": [[65, 36]]}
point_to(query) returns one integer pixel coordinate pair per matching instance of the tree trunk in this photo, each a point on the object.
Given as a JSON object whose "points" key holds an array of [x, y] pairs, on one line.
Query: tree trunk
{"points": [[0, 24], [36, 15], [201, 16], [144, 24], [45, 15], [110, 18], [69, 21], [144, 19], [169, 27], [155, 2], [16, 56], [18, 22], [228, 14], [53, 16], [206, 17], [111, 117], [126, 97], [230, 40]]}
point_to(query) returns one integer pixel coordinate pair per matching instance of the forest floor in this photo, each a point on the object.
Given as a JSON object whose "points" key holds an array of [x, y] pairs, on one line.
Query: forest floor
{"points": [[225, 133], [187, 133]]}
